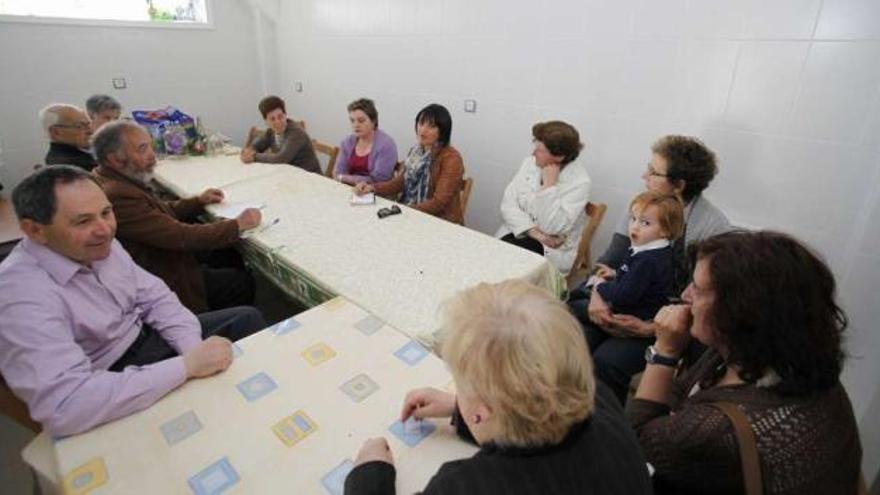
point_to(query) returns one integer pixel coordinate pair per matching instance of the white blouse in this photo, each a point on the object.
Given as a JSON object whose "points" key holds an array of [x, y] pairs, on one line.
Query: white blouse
{"points": [[556, 210]]}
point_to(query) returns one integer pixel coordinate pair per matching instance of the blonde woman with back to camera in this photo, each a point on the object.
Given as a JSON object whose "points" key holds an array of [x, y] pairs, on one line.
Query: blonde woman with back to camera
{"points": [[526, 396]]}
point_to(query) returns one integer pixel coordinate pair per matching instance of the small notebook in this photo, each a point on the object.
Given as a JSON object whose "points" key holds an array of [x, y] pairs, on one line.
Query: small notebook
{"points": [[366, 199], [233, 210]]}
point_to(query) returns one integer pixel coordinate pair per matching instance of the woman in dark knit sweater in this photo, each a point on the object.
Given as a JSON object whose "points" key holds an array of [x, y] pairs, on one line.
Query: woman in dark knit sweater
{"points": [[764, 305], [527, 396]]}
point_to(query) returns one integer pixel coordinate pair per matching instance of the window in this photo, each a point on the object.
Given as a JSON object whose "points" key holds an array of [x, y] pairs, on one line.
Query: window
{"points": [[150, 12]]}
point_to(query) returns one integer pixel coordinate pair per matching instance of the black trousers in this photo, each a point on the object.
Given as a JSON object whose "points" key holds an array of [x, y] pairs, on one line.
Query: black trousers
{"points": [[228, 287], [227, 281], [525, 242], [232, 323]]}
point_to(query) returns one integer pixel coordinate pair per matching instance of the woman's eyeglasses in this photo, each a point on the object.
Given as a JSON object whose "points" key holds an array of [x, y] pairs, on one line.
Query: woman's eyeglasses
{"points": [[387, 212]]}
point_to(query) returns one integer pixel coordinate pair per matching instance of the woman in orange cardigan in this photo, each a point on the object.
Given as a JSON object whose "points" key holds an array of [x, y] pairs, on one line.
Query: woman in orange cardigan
{"points": [[433, 170]]}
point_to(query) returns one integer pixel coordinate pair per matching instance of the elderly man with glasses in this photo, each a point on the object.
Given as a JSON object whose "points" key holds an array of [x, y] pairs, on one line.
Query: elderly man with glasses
{"points": [[69, 130]]}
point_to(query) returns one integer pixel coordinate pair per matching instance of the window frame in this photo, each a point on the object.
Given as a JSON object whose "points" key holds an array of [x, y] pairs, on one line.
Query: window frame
{"points": [[70, 21]]}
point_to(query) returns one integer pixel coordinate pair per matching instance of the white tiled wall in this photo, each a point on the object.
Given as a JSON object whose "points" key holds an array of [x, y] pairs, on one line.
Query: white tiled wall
{"points": [[787, 92], [207, 72]]}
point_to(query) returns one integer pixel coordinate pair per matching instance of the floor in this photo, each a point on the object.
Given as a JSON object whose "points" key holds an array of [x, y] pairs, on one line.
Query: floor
{"points": [[15, 476]]}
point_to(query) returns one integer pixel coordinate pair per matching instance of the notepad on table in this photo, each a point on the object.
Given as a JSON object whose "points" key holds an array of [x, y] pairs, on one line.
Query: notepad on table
{"points": [[366, 199]]}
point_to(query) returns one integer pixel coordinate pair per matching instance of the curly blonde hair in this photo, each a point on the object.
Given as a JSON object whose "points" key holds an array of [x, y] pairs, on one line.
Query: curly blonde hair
{"points": [[520, 351]]}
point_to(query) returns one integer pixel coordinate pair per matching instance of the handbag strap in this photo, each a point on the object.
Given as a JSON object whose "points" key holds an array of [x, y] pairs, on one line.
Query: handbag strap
{"points": [[748, 447]]}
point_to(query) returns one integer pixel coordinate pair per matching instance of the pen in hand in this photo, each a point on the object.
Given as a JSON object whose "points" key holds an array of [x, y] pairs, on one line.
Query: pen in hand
{"points": [[266, 227]]}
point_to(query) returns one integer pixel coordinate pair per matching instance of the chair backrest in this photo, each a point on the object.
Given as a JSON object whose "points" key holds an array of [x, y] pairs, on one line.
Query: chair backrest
{"points": [[581, 266], [331, 151], [12, 406], [466, 186]]}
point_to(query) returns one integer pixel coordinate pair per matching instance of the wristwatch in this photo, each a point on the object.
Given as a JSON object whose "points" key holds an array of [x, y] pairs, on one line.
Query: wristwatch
{"points": [[653, 357]]}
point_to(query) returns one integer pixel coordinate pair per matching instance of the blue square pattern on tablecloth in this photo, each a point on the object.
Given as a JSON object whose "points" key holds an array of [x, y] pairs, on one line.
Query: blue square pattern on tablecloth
{"points": [[286, 326], [413, 431], [334, 481], [214, 479], [411, 353], [369, 325], [180, 428], [256, 386]]}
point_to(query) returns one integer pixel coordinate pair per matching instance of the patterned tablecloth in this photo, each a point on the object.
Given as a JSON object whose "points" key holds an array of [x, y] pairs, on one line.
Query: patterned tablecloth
{"points": [[288, 416], [315, 244]]}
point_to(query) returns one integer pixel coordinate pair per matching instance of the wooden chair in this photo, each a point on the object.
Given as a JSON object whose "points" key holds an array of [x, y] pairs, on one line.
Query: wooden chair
{"points": [[582, 262], [331, 151], [14, 408], [466, 186]]}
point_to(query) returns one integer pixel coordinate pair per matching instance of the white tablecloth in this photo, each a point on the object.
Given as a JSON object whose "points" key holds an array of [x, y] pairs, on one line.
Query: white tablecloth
{"points": [[400, 268], [219, 431]]}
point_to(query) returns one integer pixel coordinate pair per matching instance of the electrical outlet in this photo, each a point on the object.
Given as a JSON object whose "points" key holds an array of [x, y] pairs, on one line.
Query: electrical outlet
{"points": [[470, 106], [299, 87], [119, 83]]}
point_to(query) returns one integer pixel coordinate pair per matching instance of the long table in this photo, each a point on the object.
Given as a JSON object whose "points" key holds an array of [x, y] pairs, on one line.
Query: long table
{"points": [[301, 396], [400, 268], [288, 416]]}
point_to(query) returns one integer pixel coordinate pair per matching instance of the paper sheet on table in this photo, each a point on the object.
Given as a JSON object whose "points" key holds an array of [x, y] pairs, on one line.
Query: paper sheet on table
{"points": [[233, 210], [366, 199]]}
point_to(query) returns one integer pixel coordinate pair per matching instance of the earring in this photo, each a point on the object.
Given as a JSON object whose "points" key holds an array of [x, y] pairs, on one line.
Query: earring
{"points": [[477, 419]]}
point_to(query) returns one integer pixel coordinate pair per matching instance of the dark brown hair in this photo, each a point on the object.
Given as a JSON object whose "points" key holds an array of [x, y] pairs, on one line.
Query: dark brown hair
{"points": [[561, 139], [688, 160], [270, 103], [367, 106], [775, 308]]}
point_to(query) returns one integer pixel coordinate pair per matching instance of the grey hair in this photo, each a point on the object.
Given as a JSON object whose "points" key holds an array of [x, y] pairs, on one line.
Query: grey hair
{"points": [[50, 114], [109, 138], [34, 198], [102, 103]]}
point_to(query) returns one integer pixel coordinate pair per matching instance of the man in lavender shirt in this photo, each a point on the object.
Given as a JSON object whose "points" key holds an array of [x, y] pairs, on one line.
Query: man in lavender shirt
{"points": [[87, 336]]}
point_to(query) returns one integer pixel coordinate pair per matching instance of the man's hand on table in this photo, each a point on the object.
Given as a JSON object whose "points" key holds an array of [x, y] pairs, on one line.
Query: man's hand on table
{"points": [[211, 196], [211, 356], [248, 219]]}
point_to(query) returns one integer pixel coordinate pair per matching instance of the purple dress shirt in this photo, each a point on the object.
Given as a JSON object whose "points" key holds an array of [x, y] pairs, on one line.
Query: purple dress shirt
{"points": [[62, 324]]}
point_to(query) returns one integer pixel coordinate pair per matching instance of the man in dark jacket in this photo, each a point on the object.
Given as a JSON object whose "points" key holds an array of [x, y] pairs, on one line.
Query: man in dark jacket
{"points": [[156, 232], [68, 129]]}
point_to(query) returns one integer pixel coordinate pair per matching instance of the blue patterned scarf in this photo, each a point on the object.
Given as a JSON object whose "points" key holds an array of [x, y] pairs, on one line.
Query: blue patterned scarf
{"points": [[416, 175]]}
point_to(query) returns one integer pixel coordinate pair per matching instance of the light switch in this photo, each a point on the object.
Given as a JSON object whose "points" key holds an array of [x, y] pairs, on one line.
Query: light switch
{"points": [[470, 106], [299, 87], [119, 83]]}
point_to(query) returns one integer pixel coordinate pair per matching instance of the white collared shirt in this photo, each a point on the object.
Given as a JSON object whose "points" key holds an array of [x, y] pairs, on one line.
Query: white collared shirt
{"points": [[655, 244]]}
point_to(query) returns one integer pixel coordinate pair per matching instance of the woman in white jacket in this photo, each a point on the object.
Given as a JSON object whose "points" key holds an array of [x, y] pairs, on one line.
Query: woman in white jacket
{"points": [[543, 206]]}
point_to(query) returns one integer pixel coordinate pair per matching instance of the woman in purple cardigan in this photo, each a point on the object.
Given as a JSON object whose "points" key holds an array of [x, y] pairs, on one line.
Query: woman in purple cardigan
{"points": [[368, 155]]}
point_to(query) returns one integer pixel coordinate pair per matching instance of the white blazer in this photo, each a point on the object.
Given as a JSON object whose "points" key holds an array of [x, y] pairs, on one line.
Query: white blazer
{"points": [[557, 210]]}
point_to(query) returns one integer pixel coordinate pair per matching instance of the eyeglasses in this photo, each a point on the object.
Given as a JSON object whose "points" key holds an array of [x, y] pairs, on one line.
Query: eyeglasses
{"points": [[79, 125], [654, 173], [387, 212]]}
